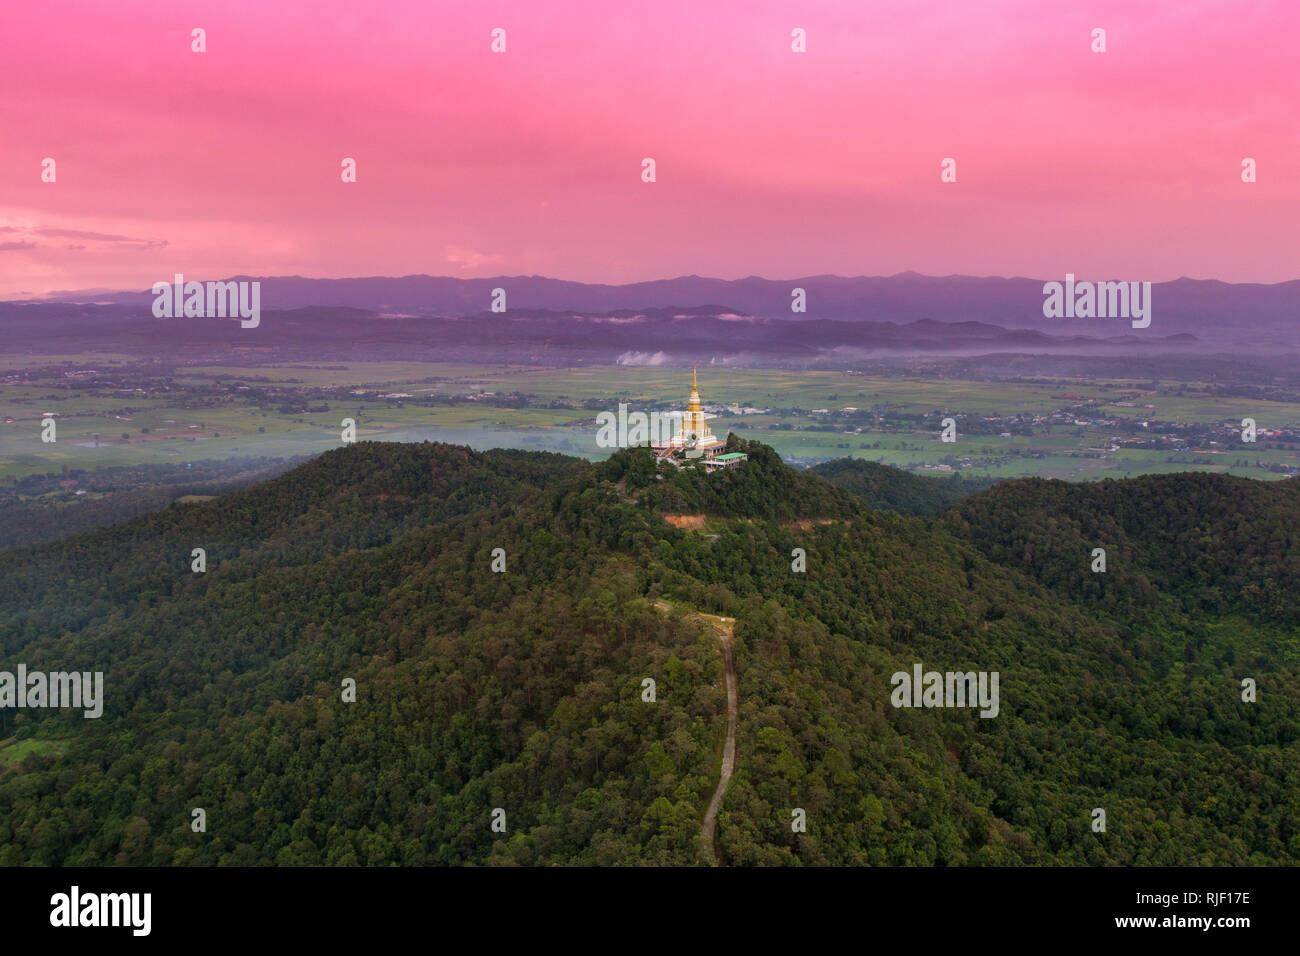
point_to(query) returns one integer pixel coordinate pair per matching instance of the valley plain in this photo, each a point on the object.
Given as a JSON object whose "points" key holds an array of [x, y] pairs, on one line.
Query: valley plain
{"points": [[112, 411]]}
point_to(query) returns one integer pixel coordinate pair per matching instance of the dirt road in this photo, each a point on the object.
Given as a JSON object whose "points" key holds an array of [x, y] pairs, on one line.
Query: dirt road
{"points": [[724, 632], [724, 627]]}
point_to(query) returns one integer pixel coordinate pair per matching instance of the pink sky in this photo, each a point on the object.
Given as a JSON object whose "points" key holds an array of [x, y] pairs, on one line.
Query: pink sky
{"points": [[1124, 164]]}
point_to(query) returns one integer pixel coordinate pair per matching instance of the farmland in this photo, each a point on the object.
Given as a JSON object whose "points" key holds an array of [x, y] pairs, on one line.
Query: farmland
{"points": [[111, 411]]}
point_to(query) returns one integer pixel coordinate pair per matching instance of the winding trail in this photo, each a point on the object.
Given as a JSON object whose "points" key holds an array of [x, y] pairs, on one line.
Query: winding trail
{"points": [[724, 628], [724, 632]]}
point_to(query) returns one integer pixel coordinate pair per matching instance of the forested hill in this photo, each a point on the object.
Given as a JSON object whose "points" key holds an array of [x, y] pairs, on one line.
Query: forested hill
{"points": [[522, 689], [1210, 544], [45, 507], [893, 489]]}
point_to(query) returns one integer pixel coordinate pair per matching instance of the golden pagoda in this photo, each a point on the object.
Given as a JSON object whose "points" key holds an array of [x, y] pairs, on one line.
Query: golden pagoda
{"points": [[693, 435]]}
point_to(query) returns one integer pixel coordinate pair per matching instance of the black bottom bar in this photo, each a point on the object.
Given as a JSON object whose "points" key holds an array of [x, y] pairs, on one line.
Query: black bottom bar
{"points": [[638, 905]]}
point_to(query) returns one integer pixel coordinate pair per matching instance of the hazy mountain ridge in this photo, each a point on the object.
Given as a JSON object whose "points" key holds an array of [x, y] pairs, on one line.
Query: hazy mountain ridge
{"points": [[679, 333], [1207, 308]]}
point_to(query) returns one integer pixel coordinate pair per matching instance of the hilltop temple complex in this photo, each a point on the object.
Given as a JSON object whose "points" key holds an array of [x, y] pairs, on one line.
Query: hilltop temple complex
{"points": [[694, 439]]}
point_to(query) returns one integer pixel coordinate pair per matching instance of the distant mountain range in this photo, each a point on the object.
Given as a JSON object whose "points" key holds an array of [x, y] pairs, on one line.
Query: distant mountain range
{"points": [[1210, 310], [655, 336]]}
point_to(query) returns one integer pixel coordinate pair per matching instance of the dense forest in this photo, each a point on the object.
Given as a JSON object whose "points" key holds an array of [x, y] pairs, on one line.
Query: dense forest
{"points": [[522, 689]]}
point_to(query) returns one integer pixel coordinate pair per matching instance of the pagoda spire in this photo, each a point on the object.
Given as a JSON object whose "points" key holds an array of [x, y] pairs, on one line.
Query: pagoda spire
{"points": [[694, 429]]}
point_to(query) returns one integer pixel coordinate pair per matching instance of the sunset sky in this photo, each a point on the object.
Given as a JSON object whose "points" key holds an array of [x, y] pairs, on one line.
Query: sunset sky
{"points": [[769, 162]]}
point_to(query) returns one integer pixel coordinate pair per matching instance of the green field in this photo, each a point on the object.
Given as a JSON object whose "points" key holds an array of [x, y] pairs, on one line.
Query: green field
{"points": [[13, 752]]}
